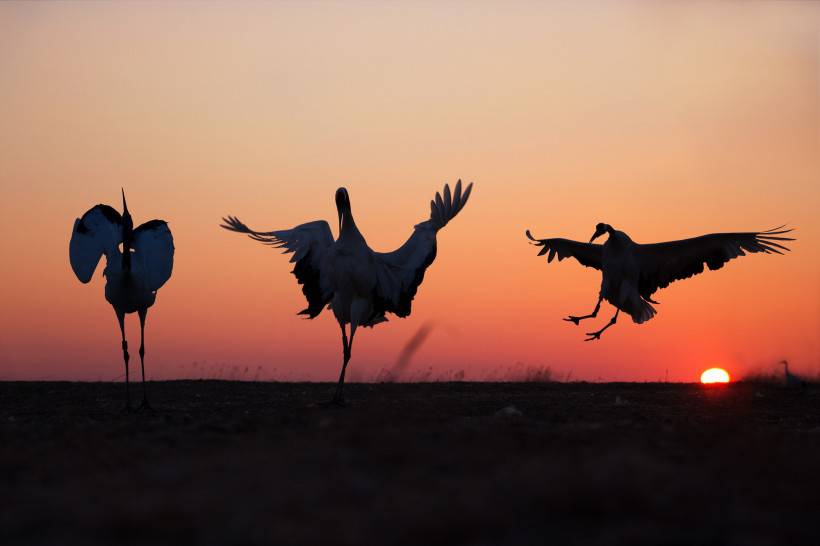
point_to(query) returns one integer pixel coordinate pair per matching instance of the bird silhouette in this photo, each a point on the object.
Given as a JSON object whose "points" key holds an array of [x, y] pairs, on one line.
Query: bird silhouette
{"points": [[791, 380], [632, 272], [137, 263], [358, 284]]}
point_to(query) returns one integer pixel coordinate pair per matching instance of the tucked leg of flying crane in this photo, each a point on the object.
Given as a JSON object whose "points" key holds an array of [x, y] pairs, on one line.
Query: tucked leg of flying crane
{"points": [[121, 319], [145, 405], [577, 320], [597, 335]]}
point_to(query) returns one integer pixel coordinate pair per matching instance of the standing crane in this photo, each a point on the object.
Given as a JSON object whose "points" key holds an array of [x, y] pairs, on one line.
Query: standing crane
{"points": [[137, 263], [345, 275], [632, 272], [791, 380]]}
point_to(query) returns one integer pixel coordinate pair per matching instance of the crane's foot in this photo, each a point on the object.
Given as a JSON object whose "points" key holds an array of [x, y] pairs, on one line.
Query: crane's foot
{"points": [[575, 320], [594, 335], [144, 406], [597, 335]]}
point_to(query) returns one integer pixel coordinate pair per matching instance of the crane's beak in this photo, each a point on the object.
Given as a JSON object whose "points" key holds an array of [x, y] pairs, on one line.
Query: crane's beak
{"points": [[127, 222], [598, 233]]}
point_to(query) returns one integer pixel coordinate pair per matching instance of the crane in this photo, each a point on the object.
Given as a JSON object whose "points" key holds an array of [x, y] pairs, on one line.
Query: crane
{"points": [[789, 379], [137, 263], [632, 272], [358, 284]]}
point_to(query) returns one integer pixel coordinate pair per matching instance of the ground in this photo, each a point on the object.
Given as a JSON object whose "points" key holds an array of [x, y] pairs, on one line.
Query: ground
{"points": [[250, 463]]}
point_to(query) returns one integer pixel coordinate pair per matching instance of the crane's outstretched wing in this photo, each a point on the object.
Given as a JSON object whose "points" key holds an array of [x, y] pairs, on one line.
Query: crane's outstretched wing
{"points": [[400, 272], [154, 250], [98, 231], [587, 254], [664, 263], [308, 243]]}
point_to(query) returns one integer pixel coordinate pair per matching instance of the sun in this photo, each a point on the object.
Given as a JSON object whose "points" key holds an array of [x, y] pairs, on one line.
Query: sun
{"points": [[714, 375]]}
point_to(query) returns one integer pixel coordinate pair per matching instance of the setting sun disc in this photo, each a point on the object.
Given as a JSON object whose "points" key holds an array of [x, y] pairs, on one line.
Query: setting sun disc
{"points": [[714, 375]]}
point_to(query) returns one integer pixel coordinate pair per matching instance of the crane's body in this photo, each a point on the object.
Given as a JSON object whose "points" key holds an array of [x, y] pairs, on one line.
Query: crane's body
{"points": [[133, 275], [633, 272], [622, 277], [350, 265], [127, 290], [357, 283]]}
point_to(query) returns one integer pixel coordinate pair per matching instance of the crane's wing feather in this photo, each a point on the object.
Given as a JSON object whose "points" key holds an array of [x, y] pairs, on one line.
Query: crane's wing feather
{"points": [[97, 232], [401, 272], [154, 250], [308, 243], [664, 263], [587, 254]]}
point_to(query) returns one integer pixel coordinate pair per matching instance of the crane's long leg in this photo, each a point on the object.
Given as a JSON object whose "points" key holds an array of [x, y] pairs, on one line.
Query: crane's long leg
{"points": [[597, 335], [121, 319], [338, 397], [145, 404], [577, 320]]}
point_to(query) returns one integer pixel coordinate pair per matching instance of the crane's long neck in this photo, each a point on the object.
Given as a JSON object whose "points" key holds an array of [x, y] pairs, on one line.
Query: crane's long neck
{"points": [[348, 228], [127, 235], [126, 255], [617, 238]]}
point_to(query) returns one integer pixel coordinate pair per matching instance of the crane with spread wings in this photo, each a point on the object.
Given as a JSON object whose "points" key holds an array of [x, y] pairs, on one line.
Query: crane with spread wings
{"points": [[358, 284], [633, 272], [137, 263]]}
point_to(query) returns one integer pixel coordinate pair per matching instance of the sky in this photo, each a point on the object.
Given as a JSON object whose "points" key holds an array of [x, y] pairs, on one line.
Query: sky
{"points": [[666, 120]]}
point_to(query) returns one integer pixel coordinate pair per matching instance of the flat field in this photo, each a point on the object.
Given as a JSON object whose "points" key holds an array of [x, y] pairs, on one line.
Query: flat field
{"points": [[220, 463]]}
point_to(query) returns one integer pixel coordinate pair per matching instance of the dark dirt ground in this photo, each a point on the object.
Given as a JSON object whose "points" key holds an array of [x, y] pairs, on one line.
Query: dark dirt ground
{"points": [[222, 463]]}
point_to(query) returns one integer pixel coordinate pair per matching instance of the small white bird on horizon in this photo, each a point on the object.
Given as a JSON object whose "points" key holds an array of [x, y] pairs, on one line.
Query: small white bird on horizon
{"points": [[133, 274], [345, 275], [632, 272]]}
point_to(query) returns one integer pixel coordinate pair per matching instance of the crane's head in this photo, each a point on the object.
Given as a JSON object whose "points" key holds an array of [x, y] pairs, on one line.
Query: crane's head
{"points": [[600, 229], [342, 204], [127, 222]]}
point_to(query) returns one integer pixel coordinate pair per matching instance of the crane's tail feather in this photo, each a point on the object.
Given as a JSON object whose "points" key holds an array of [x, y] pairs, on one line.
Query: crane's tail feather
{"points": [[443, 209], [643, 312]]}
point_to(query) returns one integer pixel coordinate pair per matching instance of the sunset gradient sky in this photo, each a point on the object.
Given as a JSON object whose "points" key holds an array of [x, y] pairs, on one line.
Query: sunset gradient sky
{"points": [[666, 120]]}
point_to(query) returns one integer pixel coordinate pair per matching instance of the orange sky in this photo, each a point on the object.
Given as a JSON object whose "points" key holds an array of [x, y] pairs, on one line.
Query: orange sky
{"points": [[665, 121]]}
